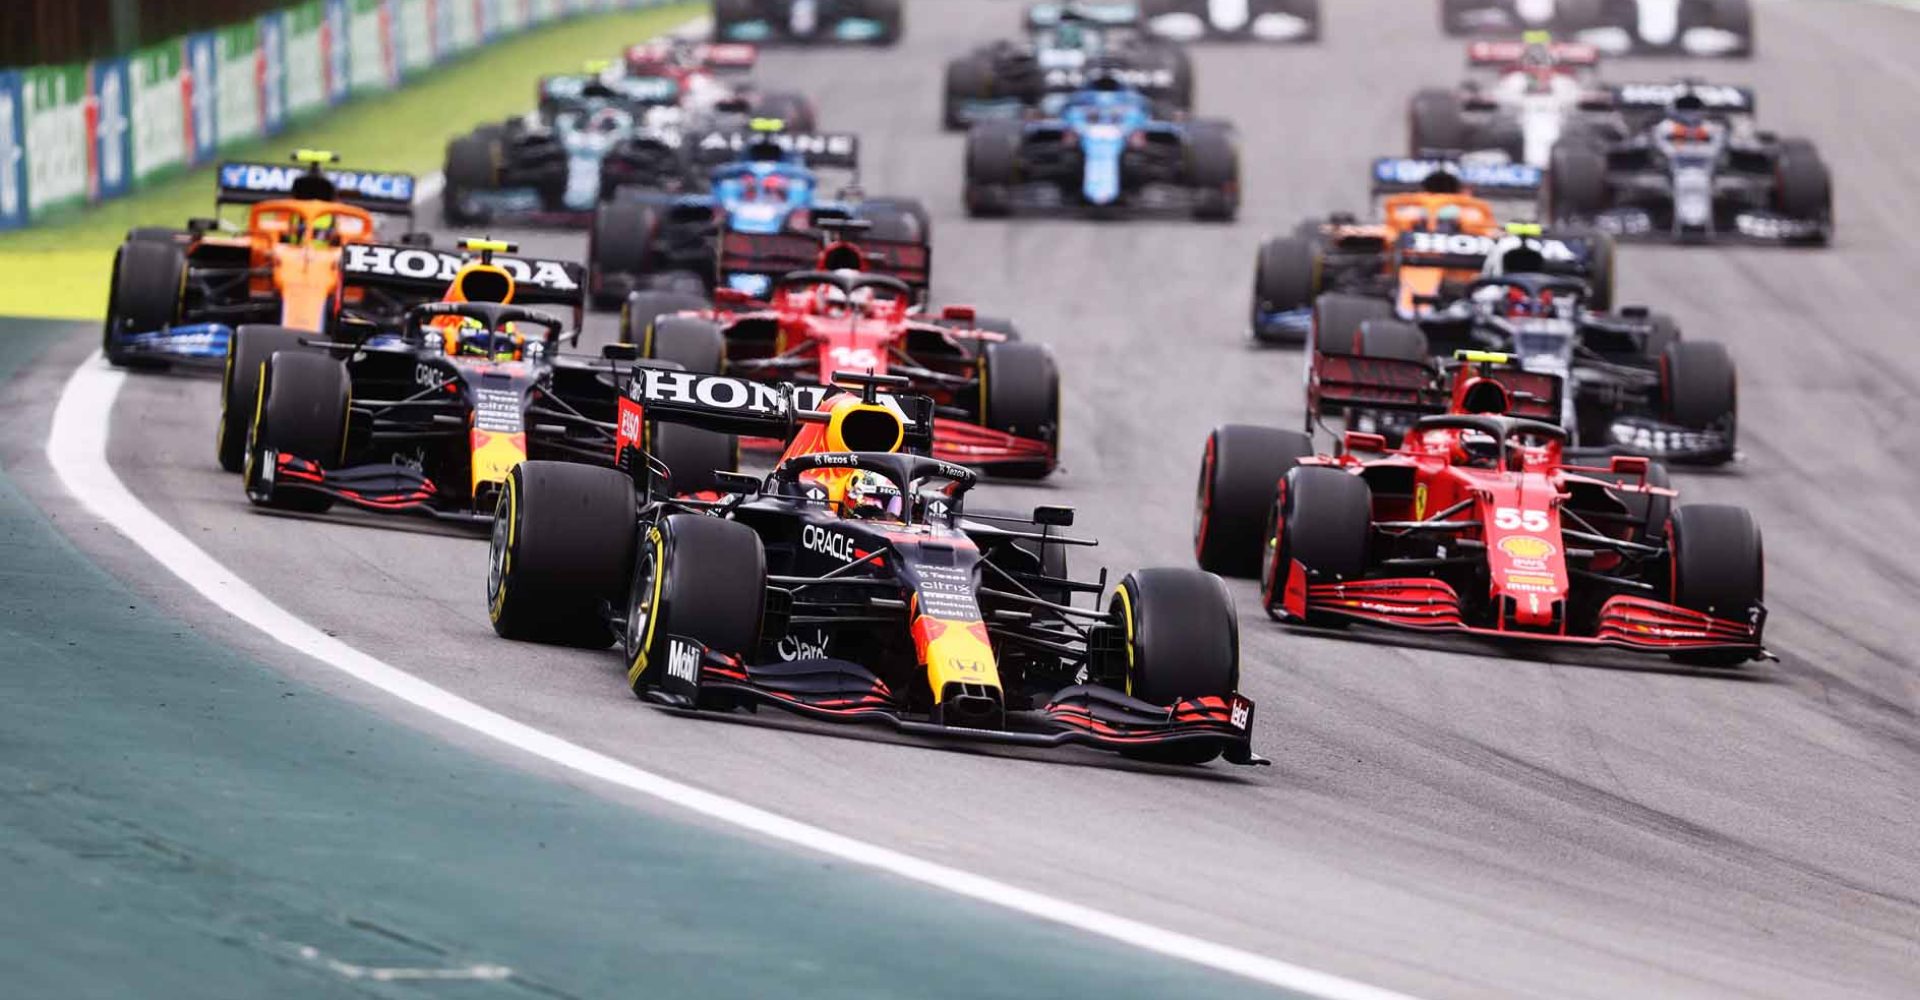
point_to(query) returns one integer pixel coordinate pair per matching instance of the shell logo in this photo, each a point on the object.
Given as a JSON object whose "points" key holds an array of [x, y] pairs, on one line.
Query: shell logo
{"points": [[1526, 547]]}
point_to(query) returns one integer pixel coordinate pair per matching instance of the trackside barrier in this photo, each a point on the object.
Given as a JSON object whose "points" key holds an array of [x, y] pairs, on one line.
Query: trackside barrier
{"points": [[86, 132]]}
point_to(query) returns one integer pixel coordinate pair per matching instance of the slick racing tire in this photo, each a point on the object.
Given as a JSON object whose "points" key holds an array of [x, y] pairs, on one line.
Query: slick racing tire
{"points": [[1391, 338], [620, 242], [968, 78], [643, 310], [1183, 641], [1436, 124], [692, 456], [1719, 568], [247, 354], [563, 538], [993, 167], [1698, 385], [693, 343], [303, 405], [1240, 475], [472, 164], [1600, 271], [892, 17], [1286, 277], [1803, 187], [1020, 394], [1576, 182], [148, 290], [699, 578], [794, 111], [1323, 520], [897, 220], [1734, 17], [1337, 318], [1213, 168]]}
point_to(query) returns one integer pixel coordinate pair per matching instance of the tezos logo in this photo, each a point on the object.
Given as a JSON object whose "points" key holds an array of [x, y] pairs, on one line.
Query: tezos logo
{"points": [[683, 661]]}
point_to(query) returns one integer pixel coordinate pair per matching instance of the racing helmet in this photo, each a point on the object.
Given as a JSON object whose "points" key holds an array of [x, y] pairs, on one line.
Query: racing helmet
{"points": [[1538, 63], [1477, 450], [467, 337], [1484, 395], [871, 496], [1446, 219], [1444, 180]]}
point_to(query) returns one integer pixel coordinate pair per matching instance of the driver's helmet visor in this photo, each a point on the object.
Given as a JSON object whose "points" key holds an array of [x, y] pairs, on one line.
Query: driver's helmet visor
{"points": [[871, 495]]}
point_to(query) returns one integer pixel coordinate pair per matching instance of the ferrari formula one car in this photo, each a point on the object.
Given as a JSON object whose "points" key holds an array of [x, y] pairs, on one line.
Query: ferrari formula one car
{"points": [[1688, 164], [430, 416], [1437, 223], [1622, 383], [177, 294], [1233, 20], [760, 183], [1067, 47], [1477, 523], [1522, 97], [997, 400], [1103, 149], [1686, 27], [852, 584], [870, 22]]}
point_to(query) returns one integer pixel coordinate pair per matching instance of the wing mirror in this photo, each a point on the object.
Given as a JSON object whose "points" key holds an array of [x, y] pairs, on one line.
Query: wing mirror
{"points": [[1053, 517]]}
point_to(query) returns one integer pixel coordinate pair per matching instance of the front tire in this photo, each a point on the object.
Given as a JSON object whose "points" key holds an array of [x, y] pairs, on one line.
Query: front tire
{"points": [[1323, 521], [148, 291], [563, 539], [303, 405], [1286, 278], [247, 353], [1020, 395], [1183, 642], [1719, 568], [698, 578]]}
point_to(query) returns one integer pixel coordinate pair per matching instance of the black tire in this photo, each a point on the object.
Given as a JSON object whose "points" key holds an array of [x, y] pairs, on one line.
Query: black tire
{"points": [[1803, 186], [897, 220], [1213, 168], [1453, 15], [1286, 277], [699, 577], [472, 164], [643, 309], [695, 344], [969, 77], [1719, 568], [892, 17], [155, 234], [1436, 123], [1020, 394], [563, 539], [1324, 521], [620, 243], [1391, 338], [692, 456], [1736, 16], [1337, 318], [1698, 385], [1183, 641], [147, 291], [1576, 182], [247, 353], [1600, 271], [1240, 475], [993, 167], [304, 401]]}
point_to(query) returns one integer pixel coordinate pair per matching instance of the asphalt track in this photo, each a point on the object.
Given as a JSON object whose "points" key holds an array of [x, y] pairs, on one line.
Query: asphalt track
{"points": [[1442, 819]]}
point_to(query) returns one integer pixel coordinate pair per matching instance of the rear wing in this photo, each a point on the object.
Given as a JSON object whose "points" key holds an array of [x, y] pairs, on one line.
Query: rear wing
{"points": [[741, 406], [1338, 381], [1103, 15], [1501, 54], [836, 150], [643, 58], [775, 254], [1719, 99], [560, 90], [425, 272], [1569, 255], [251, 183], [1401, 175]]}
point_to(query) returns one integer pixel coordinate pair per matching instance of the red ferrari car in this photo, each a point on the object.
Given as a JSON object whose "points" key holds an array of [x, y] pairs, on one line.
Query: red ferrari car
{"points": [[856, 309], [1480, 524]]}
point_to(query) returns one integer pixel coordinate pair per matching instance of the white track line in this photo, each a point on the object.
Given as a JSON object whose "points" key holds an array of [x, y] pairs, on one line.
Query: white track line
{"points": [[77, 450]]}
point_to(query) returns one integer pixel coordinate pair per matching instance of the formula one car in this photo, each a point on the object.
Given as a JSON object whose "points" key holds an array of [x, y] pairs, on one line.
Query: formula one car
{"points": [[1233, 20], [429, 417], [1690, 165], [1524, 94], [712, 94], [1623, 383], [871, 22], [1067, 47], [1437, 225], [997, 401], [1683, 27], [852, 584], [1478, 524], [177, 294], [762, 182], [1103, 149]]}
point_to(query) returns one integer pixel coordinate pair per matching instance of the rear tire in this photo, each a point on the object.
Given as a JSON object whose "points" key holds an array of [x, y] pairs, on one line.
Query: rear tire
{"points": [[695, 344], [247, 354], [1719, 568], [1391, 338], [563, 539], [692, 455], [1213, 168], [993, 167], [1804, 187], [1183, 642], [968, 78], [1286, 277], [472, 164], [1337, 318], [697, 577], [644, 309], [1436, 123], [148, 290], [1324, 521], [1576, 183], [1020, 394], [304, 401], [1698, 384], [620, 243], [1240, 475]]}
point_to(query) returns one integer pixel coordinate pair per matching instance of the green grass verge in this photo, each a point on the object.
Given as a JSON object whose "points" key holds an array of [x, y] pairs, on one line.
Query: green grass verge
{"points": [[59, 268]]}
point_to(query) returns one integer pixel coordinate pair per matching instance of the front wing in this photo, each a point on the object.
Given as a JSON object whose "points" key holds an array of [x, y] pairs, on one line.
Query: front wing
{"points": [[381, 488], [697, 677], [191, 343]]}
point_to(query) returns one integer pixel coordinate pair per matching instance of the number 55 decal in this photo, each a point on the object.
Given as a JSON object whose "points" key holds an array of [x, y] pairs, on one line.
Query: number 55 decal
{"points": [[1515, 519]]}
